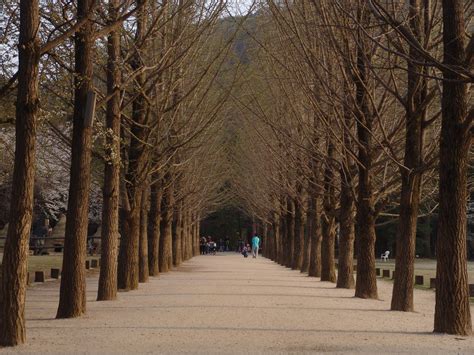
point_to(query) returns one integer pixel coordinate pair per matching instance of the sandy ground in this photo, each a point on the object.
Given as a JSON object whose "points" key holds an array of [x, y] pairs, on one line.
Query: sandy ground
{"points": [[228, 304]]}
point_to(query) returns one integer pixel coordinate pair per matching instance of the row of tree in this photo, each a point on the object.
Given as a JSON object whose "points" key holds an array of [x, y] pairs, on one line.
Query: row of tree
{"points": [[134, 89], [363, 112]]}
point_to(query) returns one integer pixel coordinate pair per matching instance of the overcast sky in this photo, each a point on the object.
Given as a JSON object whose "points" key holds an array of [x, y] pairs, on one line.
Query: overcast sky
{"points": [[239, 6]]}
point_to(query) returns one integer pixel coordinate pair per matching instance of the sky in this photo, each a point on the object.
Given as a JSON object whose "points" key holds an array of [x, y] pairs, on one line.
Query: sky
{"points": [[239, 6]]}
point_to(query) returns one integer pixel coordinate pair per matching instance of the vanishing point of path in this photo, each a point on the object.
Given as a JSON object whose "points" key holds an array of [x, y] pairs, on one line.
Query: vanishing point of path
{"points": [[228, 304]]}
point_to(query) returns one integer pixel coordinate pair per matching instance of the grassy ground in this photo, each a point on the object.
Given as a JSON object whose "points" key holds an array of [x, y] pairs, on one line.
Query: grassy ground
{"points": [[425, 268], [45, 262]]}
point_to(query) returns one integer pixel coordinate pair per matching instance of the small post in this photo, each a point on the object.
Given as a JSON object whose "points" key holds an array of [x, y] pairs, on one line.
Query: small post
{"points": [[55, 273], [39, 276], [471, 290]]}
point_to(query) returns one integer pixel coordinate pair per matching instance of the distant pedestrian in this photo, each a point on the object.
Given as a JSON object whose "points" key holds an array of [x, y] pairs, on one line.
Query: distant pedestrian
{"points": [[245, 252], [202, 245], [241, 245], [255, 245]]}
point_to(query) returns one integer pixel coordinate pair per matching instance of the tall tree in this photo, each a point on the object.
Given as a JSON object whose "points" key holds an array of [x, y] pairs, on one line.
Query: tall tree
{"points": [[72, 297], [366, 283], [111, 192], [452, 311], [154, 236], [328, 272], [128, 261], [411, 172], [15, 254]]}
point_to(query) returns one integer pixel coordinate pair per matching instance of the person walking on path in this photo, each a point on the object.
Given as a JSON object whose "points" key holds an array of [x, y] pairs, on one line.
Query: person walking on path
{"points": [[255, 245]]}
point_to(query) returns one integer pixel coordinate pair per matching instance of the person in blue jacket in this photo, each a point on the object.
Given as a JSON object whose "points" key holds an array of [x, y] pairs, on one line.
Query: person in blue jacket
{"points": [[255, 245]]}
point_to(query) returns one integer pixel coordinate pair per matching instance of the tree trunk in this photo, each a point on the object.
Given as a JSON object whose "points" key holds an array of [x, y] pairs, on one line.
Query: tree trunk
{"points": [[402, 294], [166, 252], [307, 245], [15, 255], [194, 235], [452, 312], [143, 271], [345, 271], [190, 253], [154, 237], [177, 235], [290, 232], [184, 233], [107, 289], [328, 271], [277, 237], [128, 262], [72, 295], [300, 222], [265, 240], [128, 269], [316, 238], [284, 239], [366, 282]]}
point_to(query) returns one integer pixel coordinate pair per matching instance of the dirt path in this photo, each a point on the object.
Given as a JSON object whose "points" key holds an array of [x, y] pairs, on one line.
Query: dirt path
{"points": [[227, 304]]}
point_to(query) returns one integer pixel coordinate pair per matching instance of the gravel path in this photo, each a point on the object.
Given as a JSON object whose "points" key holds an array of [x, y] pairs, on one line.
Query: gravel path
{"points": [[228, 304]]}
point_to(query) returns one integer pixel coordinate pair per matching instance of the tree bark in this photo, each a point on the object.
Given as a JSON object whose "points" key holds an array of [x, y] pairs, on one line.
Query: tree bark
{"points": [[345, 271], [284, 239], [72, 295], [290, 232], [154, 237], [107, 289], [300, 221], [184, 233], [307, 246], [328, 270], [366, 282], [194, 235], [316, 238], [128, 269], [15, 255], [177, 235], [452, 312], [143, 271], [166, 252], [402, 294], [128, 262], [277, 237]]}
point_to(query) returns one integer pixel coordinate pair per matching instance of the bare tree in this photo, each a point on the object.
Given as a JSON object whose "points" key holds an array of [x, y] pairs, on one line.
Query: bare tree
{"points": [[14, 265]]}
